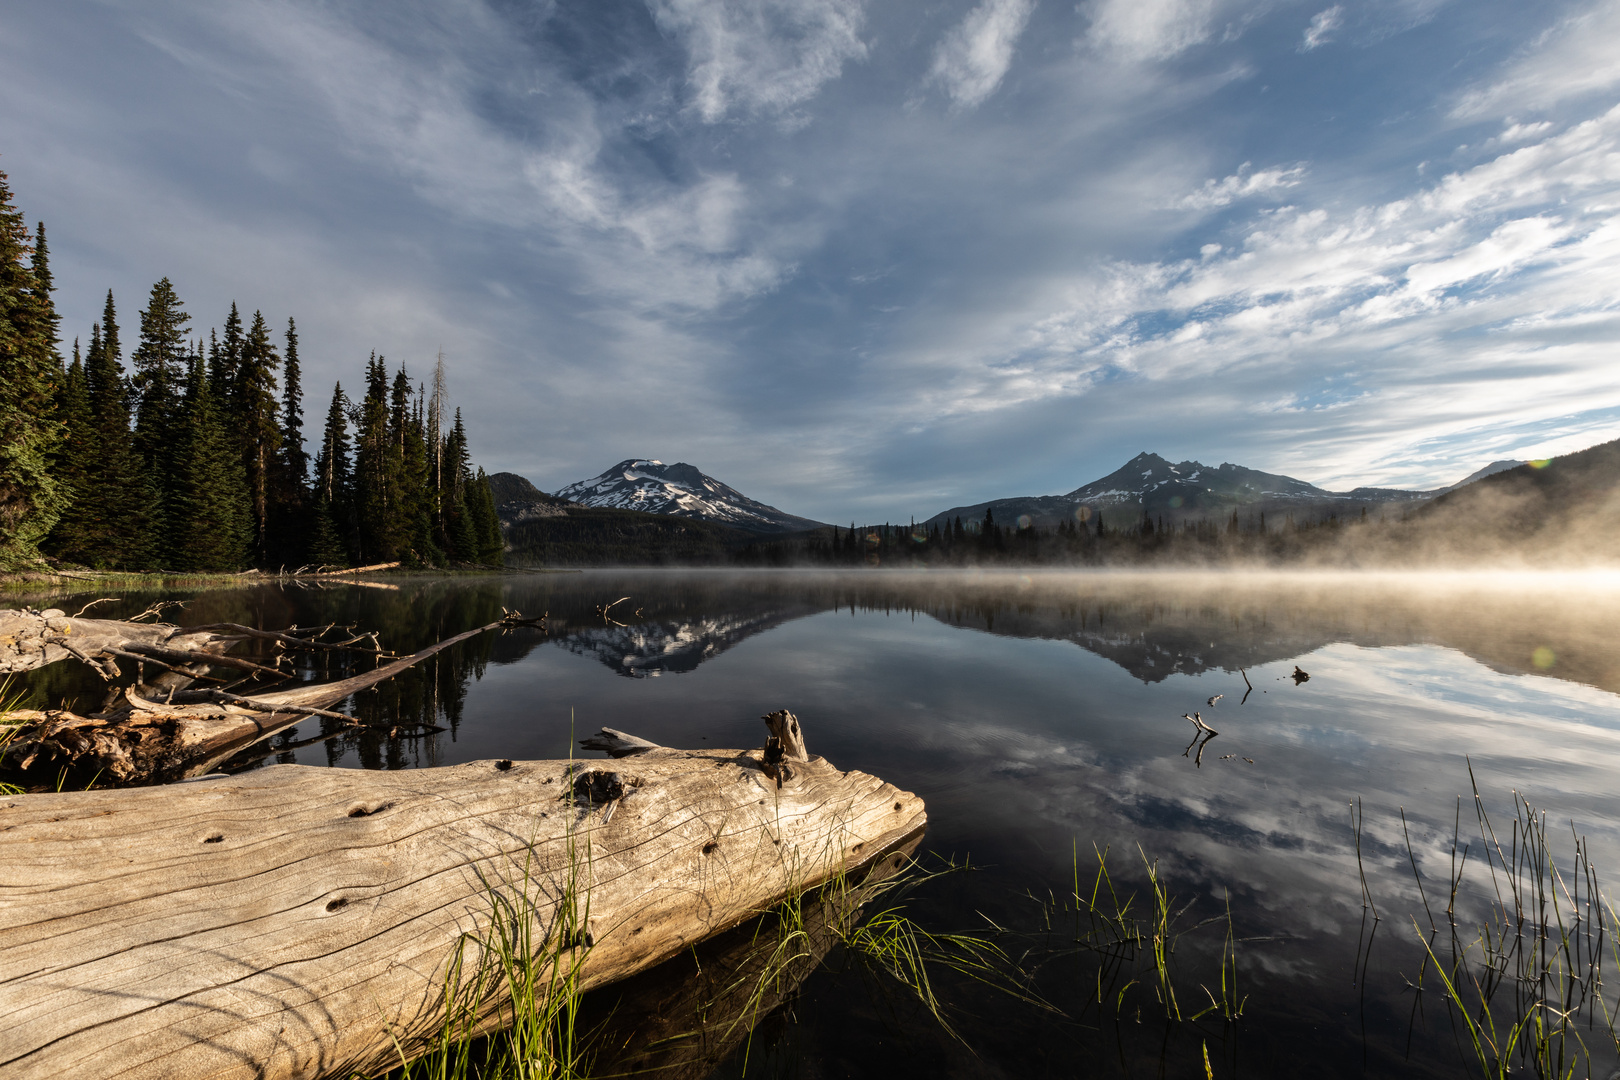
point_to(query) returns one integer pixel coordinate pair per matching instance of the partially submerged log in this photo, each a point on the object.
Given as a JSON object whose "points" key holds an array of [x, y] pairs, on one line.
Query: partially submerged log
{"points": [[166, 730], [681, 1019], [300, 922]]}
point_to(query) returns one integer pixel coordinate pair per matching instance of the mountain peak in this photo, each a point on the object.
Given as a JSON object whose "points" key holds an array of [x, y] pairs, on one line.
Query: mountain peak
{"points": [[679, 490]]}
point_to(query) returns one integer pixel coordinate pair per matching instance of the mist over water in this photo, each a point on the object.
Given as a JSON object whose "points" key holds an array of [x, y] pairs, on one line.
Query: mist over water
{"points": [[1042, 713]]}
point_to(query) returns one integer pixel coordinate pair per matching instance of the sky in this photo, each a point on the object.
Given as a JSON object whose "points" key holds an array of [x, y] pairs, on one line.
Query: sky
{"points": [[869, 260]]}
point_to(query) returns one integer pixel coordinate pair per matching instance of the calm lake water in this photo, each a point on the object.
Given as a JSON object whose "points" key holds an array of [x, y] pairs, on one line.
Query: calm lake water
{"points": [[1040, 715]]}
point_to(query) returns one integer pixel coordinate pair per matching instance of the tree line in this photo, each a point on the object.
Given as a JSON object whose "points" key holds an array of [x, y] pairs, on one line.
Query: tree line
{"points": [[193, 458], [1086, 541]]}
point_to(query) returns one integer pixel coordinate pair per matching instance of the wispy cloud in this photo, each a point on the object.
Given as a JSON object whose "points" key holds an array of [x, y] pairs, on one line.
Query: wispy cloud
{"points": [[720, 224], [1241, 185], [1324, 24], [1573, 58], [1513, 256], [973, 58], [761, 56], [1149, 29]]}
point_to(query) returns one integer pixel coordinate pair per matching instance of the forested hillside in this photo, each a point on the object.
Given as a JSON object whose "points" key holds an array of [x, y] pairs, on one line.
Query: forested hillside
{"points": [[194, 457]]}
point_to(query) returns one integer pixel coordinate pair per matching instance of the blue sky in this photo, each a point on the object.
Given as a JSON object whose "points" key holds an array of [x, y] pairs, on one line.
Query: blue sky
{"points": [[871, 260]]}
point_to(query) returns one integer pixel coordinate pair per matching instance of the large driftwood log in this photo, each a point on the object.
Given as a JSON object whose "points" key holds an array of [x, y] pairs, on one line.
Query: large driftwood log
{"points": [[178, 737], [299, 922]]}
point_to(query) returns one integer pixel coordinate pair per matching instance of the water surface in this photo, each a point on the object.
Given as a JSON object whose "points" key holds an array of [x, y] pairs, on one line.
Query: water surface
{"points": [[1040, 715]]}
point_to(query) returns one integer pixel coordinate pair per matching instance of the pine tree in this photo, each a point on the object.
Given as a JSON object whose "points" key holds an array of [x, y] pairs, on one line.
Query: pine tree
{"points": [[416, 488], [160, 373], [70, 465], [224, 361], [292, 411], [253, 413], [109, 524], [486, 525], [376, 471], [462, 538], [332, 519], [332, 463], [30, 369], [209, 528], [44, 285], [290, 504]]}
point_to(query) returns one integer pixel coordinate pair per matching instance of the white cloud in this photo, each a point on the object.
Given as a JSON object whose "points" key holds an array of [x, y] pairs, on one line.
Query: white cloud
{"points": [[1481, 303], [973, 58], [1322, 28], [692, 245], [1573, 58], [761, 56], [1149, 29], [1241, 185]]}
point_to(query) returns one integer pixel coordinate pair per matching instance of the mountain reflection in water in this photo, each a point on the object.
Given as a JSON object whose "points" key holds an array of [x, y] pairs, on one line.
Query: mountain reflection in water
{"points": [[1041, 714]]}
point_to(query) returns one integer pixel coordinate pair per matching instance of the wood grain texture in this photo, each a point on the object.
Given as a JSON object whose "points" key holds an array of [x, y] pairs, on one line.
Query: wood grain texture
{"points": [[294, 921]]}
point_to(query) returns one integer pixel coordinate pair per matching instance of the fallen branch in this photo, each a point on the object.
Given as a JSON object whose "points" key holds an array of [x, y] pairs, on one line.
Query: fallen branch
{"points": [[149, 741]]}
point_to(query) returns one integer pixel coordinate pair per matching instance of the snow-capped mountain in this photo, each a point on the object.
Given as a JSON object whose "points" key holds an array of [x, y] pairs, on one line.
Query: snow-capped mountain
{"points": [[679, 490], [1149, 484]]}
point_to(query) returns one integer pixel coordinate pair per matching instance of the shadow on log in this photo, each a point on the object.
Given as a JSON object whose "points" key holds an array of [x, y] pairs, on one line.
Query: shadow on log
{"points": [[682, 1019], [298, 922]]}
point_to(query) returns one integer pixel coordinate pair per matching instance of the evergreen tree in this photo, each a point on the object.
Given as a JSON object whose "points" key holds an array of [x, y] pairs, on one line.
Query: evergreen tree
{"points": [[376, 471], [332, 519], [44, 285], [332, 463], [70, 465], [30, 370], [292, 411], [290, 504], [486, 525], [416, 490], [208, 525], [253, 413], [224, 360], [463, 539], [160, 373], [108, 526]]}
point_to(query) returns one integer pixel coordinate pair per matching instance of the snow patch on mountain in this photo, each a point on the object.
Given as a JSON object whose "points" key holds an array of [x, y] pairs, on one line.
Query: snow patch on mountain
{"points": [[679, 490]]}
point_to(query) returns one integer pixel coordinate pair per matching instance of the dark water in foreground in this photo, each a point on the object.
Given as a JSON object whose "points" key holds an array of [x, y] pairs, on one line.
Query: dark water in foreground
{"points": [[1039, 715]]}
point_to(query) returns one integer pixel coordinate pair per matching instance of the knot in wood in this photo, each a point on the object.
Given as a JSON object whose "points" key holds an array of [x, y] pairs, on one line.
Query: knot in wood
{"points": [[599, 787]]}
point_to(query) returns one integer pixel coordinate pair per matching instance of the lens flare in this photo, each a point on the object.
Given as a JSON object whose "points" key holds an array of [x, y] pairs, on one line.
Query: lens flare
{"points": [[1175, 502], [1540, 463], [1024, 521], [1543, 657], [1082, 513]]}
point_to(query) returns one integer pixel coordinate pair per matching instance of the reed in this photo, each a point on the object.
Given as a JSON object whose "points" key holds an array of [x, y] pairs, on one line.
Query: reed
{"points": [[8, 727], [1523, 979], [1134, 941], [531, 966]]}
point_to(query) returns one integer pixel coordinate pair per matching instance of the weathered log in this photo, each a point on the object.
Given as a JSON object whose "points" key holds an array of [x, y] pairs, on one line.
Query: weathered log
{"points": [[300, 922], [31, 639], [157, 741]]}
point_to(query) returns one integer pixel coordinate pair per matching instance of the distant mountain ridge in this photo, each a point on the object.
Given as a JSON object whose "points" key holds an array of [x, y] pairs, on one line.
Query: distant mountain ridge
{"points": [[1150, 484], [516, 499], [680, 490]]}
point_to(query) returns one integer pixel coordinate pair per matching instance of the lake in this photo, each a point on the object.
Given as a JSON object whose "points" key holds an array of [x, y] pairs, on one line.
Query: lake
{"points": [[1041, 716]]}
